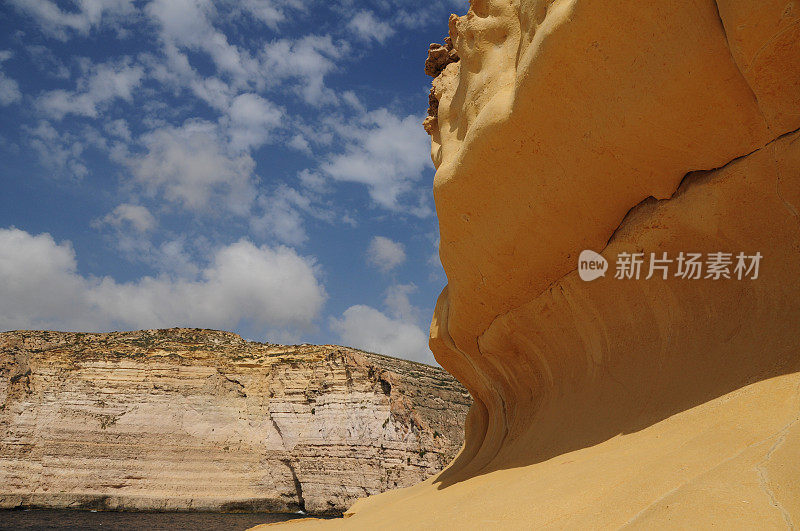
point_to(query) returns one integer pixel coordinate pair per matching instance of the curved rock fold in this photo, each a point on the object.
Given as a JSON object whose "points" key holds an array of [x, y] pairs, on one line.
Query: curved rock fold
{"points": [[622, 127]]}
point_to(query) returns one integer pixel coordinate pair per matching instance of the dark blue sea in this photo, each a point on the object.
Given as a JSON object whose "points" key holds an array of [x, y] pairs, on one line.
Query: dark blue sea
{"points": [[138, 521]]}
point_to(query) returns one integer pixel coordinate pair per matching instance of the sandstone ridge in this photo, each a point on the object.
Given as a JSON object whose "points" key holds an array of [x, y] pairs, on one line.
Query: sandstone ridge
{"points": [[189, 419]]}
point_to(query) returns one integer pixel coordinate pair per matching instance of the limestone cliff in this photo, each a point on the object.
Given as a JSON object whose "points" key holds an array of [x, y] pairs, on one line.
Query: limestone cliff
{"points": [[203, 420], [617, 127]]}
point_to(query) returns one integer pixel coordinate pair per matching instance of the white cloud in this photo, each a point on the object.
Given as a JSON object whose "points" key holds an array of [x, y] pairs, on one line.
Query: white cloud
{"points": [[86, 15], [211, 90], [183, 22], [169, 257], [264, 10], [369, 329], [282, 214], [188, 24], [387, 154], [174, 72], [319, 133], [258, 289], [299, 143], [137, 216], [173, 258], [306, 60], [99, 86], [367, 27], [193, 25], [59, 152], [38, 283], [118, 128], [47, 62], [398, 303], [396, 334], [192, 166], [270, 12], [385, 254], [250, 120], [350, 98], [9, 89], [269, 288], [313, 181]]}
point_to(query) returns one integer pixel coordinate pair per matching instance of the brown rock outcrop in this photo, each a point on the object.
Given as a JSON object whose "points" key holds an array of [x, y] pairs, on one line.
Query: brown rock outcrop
{"points": [[439, 56], [186, 419], [638, 127]]}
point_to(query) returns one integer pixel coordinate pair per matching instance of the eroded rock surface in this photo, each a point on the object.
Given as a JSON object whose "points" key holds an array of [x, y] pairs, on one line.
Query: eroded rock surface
{"points": [[624, 126], [203, 420]]}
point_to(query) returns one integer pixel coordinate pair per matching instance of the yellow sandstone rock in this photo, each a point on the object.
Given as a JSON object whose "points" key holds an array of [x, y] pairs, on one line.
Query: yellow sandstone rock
{"points": [[623, 126]]}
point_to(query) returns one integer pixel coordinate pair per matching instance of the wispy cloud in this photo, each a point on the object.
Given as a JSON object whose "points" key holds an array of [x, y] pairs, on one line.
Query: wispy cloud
{"points": [[135, 216], [388, 154], [59, 151], [306, 61], [385, 254], [98, 87], [87, 15], [367, 27], [9, 89]]}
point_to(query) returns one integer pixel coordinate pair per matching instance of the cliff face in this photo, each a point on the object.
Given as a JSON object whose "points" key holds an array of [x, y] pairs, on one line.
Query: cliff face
{"points": [[617, 127], [203, 420]]}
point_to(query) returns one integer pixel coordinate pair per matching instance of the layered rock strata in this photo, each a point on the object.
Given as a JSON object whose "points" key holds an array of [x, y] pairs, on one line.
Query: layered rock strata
{"points": [[185, 419], [620, 127]]}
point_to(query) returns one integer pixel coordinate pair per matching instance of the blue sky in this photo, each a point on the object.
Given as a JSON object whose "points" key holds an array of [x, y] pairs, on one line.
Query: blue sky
{"points": [[256, 166]]}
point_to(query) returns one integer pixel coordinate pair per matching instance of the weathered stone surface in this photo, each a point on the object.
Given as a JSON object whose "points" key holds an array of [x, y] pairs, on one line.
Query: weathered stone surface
{"points": [[439, 56], [203, 420], [616, 126]]}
